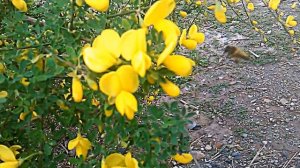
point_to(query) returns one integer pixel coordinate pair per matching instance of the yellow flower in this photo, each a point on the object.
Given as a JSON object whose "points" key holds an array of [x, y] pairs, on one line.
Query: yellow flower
{"points": [[110, 41], [293, 6], [119, 160], [150, 98], [99, 5], [33, 116], [126, 104], [170, 88], [170, 33], [104, 52], [158, 11], [77, 91], [220, 13], [183, 14], [198, 3], [292, 32], [250, 6], [108, 113], [233, 1], [141, 62], [128, 78], [179, 64], [24, 82], [213, 7], [20, 5], [110, 84], [98, 60], [183, 158], [81, 145], [132, 42], [195, 35], [273, 4], [156, 16], [254, 22], [3, 94], [120, 85], [8, 157], [15, 149], [290, 22], [95, 102]]}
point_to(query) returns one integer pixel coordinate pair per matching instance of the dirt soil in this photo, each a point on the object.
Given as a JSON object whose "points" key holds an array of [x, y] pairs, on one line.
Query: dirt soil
{"points": [[248, 114]]}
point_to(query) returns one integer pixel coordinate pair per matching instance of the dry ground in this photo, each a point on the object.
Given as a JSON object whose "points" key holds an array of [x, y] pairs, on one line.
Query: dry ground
{"points": [[248, 114]]}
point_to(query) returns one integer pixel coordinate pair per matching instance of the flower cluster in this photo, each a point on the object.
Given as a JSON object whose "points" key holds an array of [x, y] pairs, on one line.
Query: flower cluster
{"points": [[122, 60]]}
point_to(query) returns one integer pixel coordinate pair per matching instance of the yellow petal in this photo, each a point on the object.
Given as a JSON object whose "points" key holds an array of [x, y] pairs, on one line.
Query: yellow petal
{"points": [[169, 29], [6, 154], [128, 77], [115, 159], [15, 148], [20, 5], [11, 164], [193, 30], [108, 113], [23, 115], [141, 62], [273, 4], [250, 6], [77, 91], [74, 142], [182, 37], [179, 64], [99, 5], [130, 162], [190, 44], [170, 88], [126, 104], [98, 60], [24, 82], [199, 37], [133, 41], [110, 84], [109, 40], [158, 11], [183, 14], [184, 158], [3, 94], [168, 50]]}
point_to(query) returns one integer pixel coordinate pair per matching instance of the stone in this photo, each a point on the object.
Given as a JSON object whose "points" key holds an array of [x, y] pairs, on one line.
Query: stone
{"points": [[267, 100], [197, 155], [208, 147], [283, 101]]}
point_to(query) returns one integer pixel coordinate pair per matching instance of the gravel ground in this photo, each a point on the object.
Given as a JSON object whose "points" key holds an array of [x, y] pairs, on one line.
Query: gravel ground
{"points": [[248, 114]]}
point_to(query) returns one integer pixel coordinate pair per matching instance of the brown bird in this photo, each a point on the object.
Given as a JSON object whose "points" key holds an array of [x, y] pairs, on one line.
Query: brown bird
{"points": [[236, 54]]}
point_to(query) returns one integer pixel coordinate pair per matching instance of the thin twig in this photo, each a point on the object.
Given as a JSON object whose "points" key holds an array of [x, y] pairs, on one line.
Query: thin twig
{"points": [[256, 156], [125, 13], [257, 56], [289, 161]]}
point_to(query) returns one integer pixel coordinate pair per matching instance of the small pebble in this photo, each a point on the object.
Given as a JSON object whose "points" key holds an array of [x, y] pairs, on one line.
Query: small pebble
{"points": [[283, 101], [198, 155], [265, 142], [236, 155], [208, 147], [244, 135]]}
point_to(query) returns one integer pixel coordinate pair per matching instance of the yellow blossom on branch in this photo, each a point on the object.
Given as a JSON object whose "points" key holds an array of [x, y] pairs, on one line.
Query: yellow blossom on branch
{"points": [[273, 4], [99, 5], [119, 160], [290, 21], [183, 158], [20, 5], [81, 145], [8, 156]]}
